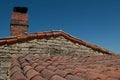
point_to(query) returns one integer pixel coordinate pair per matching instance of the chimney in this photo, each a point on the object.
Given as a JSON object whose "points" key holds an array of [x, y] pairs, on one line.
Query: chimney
{"points": [[19, 22]]}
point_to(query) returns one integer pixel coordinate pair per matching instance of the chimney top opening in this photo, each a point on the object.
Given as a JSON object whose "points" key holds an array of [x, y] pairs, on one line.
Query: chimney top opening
{"points": [[20, 9]]}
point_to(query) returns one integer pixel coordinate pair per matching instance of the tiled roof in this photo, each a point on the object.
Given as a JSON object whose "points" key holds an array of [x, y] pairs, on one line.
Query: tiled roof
{"points": [[47, 35], [56, 67]]}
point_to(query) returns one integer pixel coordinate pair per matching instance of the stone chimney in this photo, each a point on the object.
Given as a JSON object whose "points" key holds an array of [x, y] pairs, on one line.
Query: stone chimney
{"points": [[19, 22]]}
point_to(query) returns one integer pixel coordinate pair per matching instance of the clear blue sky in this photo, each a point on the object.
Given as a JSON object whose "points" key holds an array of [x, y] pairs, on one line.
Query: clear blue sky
{"points": [[95, 21]]}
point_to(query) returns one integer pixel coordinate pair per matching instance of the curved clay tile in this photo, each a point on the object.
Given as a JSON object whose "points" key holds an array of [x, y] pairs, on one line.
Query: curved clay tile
{"points": [[98, 67]]}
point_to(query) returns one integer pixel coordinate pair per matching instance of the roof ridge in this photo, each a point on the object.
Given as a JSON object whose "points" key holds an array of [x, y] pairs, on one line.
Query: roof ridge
{"points": [[54, 33]]}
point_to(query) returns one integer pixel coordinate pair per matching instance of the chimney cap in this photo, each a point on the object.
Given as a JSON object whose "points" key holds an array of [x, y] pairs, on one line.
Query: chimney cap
{"points": [[20, 9]]}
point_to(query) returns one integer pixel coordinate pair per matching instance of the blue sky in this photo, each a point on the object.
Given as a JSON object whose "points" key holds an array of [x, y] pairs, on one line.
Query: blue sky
{"points": [[95, 21]]}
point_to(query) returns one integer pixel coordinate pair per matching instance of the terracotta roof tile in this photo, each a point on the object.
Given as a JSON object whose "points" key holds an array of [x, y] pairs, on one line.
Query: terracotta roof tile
{"points": [[62, 73], [61, 67], [32, 73], [95, 76], [2, 42], [11, 41], [25, 64], [81, 75], [57, 77], [47, 35], [53, 68], [113, 74], [48, 73], [71, 77], [37, 77], [14, 64], [32, 36], [65, 68], [45, 64], [14, 70], [55, 64], [18, 76], [40, 35], [70, 70], [27, 68], [40, 68], [35, 64]]}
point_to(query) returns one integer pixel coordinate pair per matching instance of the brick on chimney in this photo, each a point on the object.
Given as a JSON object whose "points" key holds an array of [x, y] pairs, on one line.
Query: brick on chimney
{"points": [[19, 22]]}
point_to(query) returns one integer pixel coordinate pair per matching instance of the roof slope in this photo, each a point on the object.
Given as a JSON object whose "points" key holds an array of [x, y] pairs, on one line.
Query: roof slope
{"points": [[65, 67], [27, 37]]}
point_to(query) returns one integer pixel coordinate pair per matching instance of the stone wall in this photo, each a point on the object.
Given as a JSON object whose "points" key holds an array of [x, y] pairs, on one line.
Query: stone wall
{"points": [[54, 45]]}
